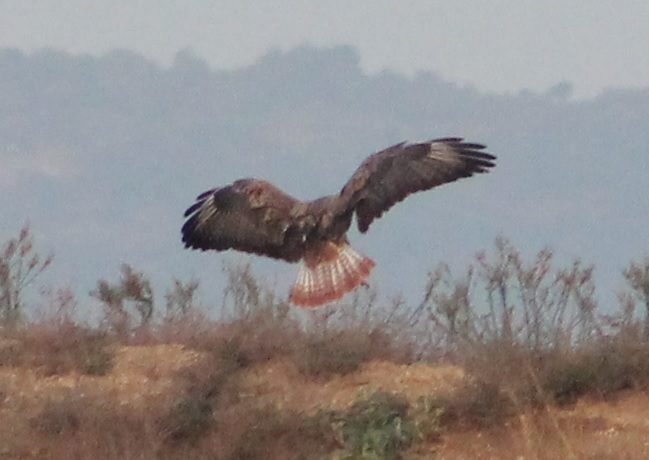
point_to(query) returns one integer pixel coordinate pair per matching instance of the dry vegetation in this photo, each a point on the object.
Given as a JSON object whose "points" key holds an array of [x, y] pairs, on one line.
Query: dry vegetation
{"points": [[512, 359]]}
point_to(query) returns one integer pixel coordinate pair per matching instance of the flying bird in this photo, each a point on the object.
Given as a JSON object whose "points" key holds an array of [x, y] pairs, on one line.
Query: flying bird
{"points": [[254, 216]]}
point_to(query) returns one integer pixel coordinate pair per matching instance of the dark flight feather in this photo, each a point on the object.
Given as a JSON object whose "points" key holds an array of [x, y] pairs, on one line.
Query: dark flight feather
{"points": [[250, 215]]}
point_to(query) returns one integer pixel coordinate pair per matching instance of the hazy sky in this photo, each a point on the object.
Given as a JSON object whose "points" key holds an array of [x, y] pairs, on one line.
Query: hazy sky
{"points": [[498, 45]]}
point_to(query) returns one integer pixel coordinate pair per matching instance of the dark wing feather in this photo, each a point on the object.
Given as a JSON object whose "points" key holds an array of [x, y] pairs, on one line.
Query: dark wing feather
{"points": [[389, 176], [250, 215]]}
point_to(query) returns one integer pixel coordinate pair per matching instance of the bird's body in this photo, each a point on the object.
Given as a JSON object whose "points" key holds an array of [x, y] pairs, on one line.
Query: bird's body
{"points": [[254, 216]]}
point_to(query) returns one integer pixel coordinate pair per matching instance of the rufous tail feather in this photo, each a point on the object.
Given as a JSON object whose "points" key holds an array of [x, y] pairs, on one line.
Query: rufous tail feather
{"points": [[330, 279]]}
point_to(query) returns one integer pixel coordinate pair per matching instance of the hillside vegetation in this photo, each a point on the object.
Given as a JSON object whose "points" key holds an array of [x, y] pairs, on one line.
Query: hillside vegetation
{"points": [[510, 359]]}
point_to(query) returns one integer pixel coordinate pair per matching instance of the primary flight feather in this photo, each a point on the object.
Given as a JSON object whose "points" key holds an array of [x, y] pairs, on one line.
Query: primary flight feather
{"points": [[254, 216]]}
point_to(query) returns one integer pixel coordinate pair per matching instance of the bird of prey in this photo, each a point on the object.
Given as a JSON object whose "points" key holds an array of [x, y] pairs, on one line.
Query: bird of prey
{"points": [[254, 216]]}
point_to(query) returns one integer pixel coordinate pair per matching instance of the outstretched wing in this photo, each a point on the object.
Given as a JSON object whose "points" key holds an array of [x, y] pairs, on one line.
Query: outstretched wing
{"points": [[387, 177], [250, 215]]}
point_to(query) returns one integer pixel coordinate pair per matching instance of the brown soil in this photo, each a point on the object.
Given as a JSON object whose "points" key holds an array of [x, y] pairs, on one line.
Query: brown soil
{"points": [[143, 377]]}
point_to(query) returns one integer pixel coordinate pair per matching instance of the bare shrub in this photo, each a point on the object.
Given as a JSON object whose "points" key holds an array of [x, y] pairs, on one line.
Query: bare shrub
{"points": [[337, 352], [529, 332], [130, 298], [448, 308], [180, 299], [479, 405], [60, 307], [208, 386], [193, 329], [529, 304], [264, 432], [637, 278], [255, 325], [77, 426], [601, 369], [188, 419], [52, 348], [20, 265], [244, 296], [342, 350], [58, 418]]}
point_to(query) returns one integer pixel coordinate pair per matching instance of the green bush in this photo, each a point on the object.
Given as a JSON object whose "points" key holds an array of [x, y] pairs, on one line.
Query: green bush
{"points": [[375, 428]]}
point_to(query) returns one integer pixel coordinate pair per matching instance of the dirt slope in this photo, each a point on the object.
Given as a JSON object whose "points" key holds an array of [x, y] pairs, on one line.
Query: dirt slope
{"points": [[149, 376]]}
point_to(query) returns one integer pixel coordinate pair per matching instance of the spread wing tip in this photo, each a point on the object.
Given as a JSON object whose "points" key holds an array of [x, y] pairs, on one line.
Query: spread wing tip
{"points": [[470, 150], [200, 199], [192, 209], [187, 232], [475, 154]]}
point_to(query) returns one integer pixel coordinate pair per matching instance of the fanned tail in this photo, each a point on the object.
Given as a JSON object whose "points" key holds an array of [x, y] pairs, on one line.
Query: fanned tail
{"points": [[330, 279]]}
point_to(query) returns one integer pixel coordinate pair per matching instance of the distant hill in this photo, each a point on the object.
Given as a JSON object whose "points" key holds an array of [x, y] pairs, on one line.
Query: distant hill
{"points": [[102, 155]]}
